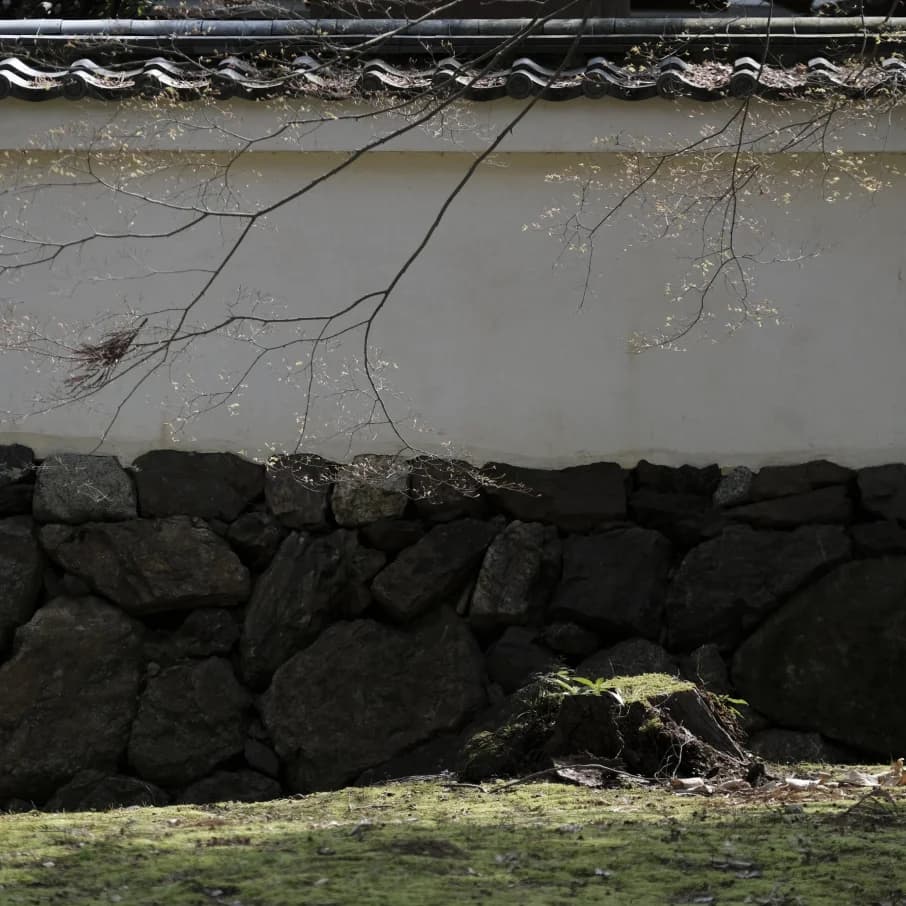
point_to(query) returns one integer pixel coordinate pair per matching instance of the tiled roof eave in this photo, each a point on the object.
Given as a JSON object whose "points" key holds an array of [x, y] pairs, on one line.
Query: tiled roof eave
{"points": [[598, 78]]}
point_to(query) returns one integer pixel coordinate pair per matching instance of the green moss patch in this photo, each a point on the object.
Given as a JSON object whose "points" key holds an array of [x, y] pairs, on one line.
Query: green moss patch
{"points": [[424, 843]]}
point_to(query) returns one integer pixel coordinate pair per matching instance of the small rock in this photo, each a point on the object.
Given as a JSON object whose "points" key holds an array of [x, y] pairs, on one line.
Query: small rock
{"points": [[577, 499], [191, 718], [570, 639], [297, 488], [205, 485], [883, 490], [434, 570], [17, 464], [392, 535], [76, 488], [94, 791], [255, 537], [734, 487], [370, 488]]}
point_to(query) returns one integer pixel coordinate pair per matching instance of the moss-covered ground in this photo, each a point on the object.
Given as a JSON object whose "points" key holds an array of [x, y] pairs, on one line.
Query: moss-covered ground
{"points": [[427, 843]]}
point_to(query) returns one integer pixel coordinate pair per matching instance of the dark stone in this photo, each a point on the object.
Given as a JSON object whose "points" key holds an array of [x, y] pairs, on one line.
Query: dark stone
{"points": [[147, 566], [795, 746], [191, 718], [614, 582], [69, 694], [571, 639], [515, 580], [516, 657], [96, 791], [206, 485], [706, 668], [309, 584], [684, 480], [434, 570], [632, 657], [822, 507], [392, 535], [21, 576], [883, 490], [16, 500], [878, 539], [443, 489], [231, 786], [17, 464], [75, 488], [370, 488], [786, 481], [682, 518], [577, 499], [262, 758], [734, 487], [255, 537], [364, 693], [831, 659], [297, 488], [727, 586], [204, 633]]}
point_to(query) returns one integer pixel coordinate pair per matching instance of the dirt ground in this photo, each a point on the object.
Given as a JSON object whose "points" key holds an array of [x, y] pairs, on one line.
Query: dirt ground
{"points": [[428, 842]]}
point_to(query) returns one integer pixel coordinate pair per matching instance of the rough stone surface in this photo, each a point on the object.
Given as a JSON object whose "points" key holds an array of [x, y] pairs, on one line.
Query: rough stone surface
{"points": [[392, 535], [883, 490], [614, 582], [706, 667], [17, 463], [878, 539], [310, 583], [726, 586], [255, 537], [95, 791], [231, 786], [831, 659], [511, 587], [443, 490], [785, 481], [434, 570], [578, 499], [76, 488], [372, 487], [21, 576], [571, 639], [631, 657], [206, 485], [394, 688], [151, 565], [191, 718], [516, 657], [793, 746], [824, 506], [678, 480], [734, 487], [297, 488], [69, 694], [683, 518], [203, 633]]}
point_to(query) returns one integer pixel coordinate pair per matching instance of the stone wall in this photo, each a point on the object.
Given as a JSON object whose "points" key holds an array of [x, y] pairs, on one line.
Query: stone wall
{"points": [[200, 627]]}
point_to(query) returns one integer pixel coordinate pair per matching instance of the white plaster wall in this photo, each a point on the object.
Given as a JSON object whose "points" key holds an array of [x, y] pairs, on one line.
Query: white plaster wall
{"points": [[486, 346]]}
